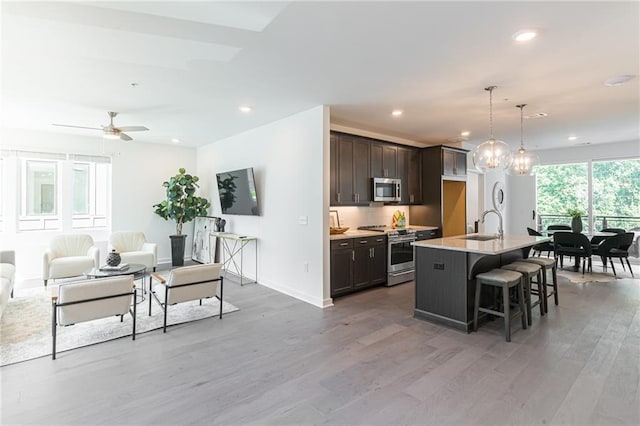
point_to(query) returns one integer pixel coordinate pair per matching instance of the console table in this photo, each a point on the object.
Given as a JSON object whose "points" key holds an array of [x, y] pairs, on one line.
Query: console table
{"points": [[233, 253]]}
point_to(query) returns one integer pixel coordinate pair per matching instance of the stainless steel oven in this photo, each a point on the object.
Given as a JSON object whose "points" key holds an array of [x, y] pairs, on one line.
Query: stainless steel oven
{"points": [[401, 265]]}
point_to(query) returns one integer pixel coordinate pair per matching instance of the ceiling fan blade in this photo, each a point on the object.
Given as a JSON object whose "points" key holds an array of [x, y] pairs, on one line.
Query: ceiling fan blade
{"points": [[132, 128], [125, 137], [77, 127]]}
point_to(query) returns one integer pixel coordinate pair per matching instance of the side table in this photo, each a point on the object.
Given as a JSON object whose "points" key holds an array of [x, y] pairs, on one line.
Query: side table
{"points": [[233, 246]]}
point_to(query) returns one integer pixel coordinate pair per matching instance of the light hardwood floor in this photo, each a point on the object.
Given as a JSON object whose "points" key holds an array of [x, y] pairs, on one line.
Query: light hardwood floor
{"points": [[364, 361]]}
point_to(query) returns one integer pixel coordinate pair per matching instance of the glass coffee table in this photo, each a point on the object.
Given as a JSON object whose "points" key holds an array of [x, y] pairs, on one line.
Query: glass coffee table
{"points": [[138, 271]]}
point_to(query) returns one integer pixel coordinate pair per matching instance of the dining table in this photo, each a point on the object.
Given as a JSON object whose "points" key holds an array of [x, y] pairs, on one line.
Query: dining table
{"points": [[590, 235]]}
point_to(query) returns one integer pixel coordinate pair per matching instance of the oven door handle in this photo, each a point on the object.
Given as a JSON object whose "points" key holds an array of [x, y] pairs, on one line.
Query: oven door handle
{"points": [[404, 240]]}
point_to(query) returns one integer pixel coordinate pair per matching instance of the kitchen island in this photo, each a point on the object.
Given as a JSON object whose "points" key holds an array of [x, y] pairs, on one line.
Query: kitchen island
{"points": [[445, 271]]}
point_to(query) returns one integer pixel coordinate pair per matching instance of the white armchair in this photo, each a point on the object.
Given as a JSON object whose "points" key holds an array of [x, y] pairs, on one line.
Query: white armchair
{"points": [[185, 284], [7, 277], [69, 255], [92, 299], [134, 248]]}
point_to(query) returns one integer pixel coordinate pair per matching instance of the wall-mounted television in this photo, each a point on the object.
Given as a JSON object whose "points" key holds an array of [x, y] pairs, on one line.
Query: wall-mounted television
{"points": [[237, 191]]}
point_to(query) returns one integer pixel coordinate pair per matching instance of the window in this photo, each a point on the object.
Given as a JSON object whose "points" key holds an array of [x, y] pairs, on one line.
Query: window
{"points": [[607, 192], [80, 188], [54, 191], [616, 194], [40, 195]]}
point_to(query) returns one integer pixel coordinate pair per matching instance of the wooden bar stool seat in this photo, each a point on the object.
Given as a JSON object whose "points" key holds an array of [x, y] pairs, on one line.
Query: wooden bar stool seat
{"points": [[547, 264], [529, 271], [505, 280]]}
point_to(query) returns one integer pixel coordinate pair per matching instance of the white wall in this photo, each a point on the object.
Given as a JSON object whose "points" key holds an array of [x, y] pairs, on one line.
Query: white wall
{"points": [[138, 170], [290, 162], [524, 188]]}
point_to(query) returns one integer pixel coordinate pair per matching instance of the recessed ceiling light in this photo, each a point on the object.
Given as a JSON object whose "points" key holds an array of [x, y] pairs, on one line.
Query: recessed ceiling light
{"points": [[465, 133], [525, 35], [396, 112], [175, 140], [617, 80], [245, 108], [572, 138], [537, 115]]}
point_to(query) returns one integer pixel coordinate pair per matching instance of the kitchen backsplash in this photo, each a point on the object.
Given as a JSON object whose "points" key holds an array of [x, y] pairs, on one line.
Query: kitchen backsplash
{"points": [[362, 216]]}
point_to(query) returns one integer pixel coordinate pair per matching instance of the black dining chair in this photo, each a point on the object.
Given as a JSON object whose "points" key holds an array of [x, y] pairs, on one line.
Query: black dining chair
{"points": [[539, 248], [573, 244], [622, 252], [596, 239], [558, 227]]}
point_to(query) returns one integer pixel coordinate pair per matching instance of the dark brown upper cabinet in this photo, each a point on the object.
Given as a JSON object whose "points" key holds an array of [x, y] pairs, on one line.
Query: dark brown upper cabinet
{"points": [[349, 171], [355, 160]]}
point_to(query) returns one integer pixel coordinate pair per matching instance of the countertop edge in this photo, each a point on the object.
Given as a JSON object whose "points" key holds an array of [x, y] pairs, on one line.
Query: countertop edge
{"points": [[512, 246]]}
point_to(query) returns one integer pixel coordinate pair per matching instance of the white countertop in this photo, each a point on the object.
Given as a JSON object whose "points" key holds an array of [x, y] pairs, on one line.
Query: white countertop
{"points": [[495, 246], [361, 234]]}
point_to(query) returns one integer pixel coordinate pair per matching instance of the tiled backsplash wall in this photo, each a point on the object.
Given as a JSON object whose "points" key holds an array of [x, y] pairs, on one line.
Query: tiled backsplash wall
{"points": [[362, 216]]}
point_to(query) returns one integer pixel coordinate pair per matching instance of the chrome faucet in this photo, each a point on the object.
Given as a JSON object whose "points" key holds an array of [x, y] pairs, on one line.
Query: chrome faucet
{"points": [[500, 230]]}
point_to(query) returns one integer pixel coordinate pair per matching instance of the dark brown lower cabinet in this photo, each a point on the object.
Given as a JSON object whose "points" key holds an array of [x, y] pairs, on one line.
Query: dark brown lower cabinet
{"points": [[358, 263]]}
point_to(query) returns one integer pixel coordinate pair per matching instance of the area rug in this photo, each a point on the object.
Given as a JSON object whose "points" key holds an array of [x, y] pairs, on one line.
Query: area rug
{"points": [[578, 277], [25, 327]]}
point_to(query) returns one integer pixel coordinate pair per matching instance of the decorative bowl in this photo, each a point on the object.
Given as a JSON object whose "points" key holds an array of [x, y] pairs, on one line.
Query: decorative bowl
{"points": [[334, 231]]}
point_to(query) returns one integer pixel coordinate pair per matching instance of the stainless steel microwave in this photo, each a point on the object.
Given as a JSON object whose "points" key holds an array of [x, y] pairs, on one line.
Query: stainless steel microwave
{"points": [[386, 190]]}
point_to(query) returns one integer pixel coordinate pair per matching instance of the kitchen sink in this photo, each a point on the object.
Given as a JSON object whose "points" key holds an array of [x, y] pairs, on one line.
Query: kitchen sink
{"points": [[480, 237]]}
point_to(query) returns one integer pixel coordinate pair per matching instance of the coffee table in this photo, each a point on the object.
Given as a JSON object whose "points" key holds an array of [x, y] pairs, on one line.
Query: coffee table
{"points": [[138, 271]]}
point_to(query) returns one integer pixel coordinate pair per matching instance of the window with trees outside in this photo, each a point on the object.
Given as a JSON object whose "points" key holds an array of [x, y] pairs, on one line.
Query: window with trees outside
{"points": [[607, 192]]}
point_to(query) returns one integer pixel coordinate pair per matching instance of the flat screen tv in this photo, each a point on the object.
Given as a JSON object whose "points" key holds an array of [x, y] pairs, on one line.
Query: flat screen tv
{"points": [[237, 191]]}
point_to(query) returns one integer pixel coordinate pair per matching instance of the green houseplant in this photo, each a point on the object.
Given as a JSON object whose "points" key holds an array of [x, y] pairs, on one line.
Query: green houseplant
{"points": [[576, 219], [182, 206]]}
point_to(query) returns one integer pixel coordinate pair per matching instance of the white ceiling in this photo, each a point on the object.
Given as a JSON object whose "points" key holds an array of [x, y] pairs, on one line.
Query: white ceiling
{"points": [[196, 62]]}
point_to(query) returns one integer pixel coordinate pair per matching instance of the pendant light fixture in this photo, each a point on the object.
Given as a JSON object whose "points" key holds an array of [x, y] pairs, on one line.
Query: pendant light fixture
{"points": [[522, 162], [492, 154]]}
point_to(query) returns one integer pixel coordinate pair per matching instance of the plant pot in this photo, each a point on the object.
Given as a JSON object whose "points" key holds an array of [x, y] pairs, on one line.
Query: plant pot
{"points": [[576, 224], [177, 249]]}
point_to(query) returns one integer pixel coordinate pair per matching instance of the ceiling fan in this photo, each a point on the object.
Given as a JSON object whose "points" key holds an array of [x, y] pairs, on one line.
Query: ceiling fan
{"points": [[110, 131]]}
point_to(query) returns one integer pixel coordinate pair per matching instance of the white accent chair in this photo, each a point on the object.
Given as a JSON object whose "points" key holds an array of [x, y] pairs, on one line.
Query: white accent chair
{"points": [[69, 255], [7, 277], [134, 248], [187, 283], [92, 299]]}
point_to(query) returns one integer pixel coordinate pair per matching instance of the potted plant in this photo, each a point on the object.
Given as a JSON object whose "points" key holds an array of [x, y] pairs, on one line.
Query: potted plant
{"points": [[181, 205], [576, 219]]}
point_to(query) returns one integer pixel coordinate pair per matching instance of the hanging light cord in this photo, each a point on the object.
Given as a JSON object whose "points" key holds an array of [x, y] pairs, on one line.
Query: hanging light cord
{"points": [[521, 106], [490, 89]]}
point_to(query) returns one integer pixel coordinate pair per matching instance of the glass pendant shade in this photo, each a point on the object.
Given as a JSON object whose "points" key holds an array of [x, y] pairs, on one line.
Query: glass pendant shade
{"points": [[522, 162], [491, 155]]}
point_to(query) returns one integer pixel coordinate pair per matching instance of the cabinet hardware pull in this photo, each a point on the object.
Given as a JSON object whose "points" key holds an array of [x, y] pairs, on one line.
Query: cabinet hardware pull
{"points": [[344, 244], [353, 255], [338, 197], [363, 242], [379, 240], [371, 252]]}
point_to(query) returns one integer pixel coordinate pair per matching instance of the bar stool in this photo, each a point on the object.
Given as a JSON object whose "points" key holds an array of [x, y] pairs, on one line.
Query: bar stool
{"points": [[529, 271], [505, 280], [546, 264]]}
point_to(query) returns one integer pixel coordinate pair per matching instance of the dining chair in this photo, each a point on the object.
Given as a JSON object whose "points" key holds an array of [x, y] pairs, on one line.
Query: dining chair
{"points": [[544, 246], [567, 243], [596, 239], [622, 252]]}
